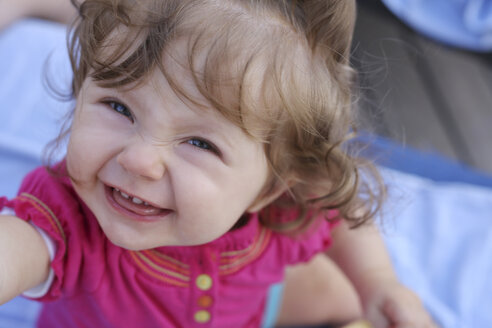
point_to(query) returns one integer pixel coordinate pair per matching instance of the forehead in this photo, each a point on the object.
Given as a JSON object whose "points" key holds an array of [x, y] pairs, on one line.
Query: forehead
{"points": [[226, 37], [206, 79]]}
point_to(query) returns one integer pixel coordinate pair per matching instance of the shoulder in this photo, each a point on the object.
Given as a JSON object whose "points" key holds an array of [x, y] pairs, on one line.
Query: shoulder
{"points": [[47, 200], [45, 181], [301, 246], [47, 191]]}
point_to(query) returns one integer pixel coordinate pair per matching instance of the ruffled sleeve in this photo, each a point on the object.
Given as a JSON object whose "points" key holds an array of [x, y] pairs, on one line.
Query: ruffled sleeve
{"points": [[47, 202], [297, 248]]}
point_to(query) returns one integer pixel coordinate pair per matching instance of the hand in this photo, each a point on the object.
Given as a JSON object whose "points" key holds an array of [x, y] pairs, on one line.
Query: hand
{"points": [[392, 305]]}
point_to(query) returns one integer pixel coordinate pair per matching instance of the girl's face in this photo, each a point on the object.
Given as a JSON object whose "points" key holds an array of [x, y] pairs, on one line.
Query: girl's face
{"points": [[157, 173]]}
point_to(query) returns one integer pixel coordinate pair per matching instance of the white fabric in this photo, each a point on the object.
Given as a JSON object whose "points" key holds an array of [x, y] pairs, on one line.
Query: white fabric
{"points": [[41, 289]]}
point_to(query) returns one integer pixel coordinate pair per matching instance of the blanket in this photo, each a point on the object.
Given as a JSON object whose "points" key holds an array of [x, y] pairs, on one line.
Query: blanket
{"points": [[462, 23]]}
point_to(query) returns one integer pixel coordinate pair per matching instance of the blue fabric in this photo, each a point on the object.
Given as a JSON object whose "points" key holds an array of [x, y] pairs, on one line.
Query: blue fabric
{"points": [[437, 224], [30, 118], [462, 23], [19, 313], [439, 235], [427, 164], [30, 114], [272, 308], [438, 231]]}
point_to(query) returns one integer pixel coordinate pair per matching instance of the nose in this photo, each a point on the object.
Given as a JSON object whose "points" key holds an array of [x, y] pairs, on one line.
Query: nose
{"points": [[142, 159]]}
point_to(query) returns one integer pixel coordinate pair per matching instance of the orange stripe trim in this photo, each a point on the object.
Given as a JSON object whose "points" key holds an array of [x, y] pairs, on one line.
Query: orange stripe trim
{"points": [[239, 252], [251, 248], [155, 275], [254, 254], [46, 211], [168, 261], [161, 269]]}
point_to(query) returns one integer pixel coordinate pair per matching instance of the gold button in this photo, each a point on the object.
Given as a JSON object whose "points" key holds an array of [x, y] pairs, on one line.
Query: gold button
{"points": [[202, 316], [204, 282], [205, 301]]}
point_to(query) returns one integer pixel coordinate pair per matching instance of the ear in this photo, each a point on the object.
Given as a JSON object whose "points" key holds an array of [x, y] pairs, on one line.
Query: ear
{"points": [[267, 197]]}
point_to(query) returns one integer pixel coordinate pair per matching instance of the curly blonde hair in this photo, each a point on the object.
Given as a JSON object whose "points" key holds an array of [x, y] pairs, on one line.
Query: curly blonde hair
{"points": [[285, 62]]}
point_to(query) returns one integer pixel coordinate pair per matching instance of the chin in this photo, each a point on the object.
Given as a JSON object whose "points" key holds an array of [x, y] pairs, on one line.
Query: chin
{"points": [[128, 243], [127, 246]]}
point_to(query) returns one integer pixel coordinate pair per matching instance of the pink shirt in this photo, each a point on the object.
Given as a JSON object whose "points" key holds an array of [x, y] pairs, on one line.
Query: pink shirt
{"points": [[220, 284]]}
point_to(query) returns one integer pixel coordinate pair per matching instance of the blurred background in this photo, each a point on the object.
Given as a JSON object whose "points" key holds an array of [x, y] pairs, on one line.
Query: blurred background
{"points": [[426, 78]]}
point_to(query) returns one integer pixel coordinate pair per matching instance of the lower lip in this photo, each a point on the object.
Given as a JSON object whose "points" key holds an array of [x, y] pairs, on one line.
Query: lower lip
{"points": [[129, 214]]}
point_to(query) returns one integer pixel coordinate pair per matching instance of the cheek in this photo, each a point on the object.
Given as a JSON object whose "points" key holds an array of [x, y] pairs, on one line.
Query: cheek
{"points": [[250, 180], [200, 193], [88, 149], [218, 199], [75, 151]]}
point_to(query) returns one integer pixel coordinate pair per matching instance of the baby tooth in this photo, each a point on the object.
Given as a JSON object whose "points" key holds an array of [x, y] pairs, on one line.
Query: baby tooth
{"points": [[137, 200], [124, 195]]}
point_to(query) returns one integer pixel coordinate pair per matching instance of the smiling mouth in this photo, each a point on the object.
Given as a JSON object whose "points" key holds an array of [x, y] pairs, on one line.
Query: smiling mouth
{"points": [[132, 205]]}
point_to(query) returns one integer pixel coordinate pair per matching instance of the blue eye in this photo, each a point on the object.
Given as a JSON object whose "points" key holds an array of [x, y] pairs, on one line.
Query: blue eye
{"points": [[120, 109], [202, 144]]}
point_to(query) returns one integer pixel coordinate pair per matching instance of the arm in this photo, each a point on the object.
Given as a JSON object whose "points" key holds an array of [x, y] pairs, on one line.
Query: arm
{"points": [[56, 10], [361, 254], [24, 257]]}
